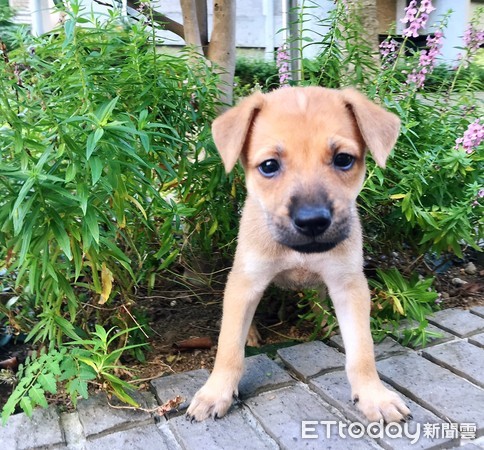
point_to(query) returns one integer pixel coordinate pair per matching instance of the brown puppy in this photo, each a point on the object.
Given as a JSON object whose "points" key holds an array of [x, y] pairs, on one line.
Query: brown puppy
{"points": [[303, 151]]}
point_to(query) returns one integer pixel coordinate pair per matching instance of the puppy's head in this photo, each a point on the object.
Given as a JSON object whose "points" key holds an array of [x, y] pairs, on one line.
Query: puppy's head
{"points": [[303, 152]]}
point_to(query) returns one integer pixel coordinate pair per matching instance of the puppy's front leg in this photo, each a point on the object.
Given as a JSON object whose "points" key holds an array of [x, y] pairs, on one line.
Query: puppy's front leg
{"points": [[351, 299], [242, 295]]}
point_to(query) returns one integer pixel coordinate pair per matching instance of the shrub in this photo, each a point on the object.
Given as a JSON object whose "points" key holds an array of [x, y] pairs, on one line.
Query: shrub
{"points": [[430, 197], [431, 193], [104, 171]]}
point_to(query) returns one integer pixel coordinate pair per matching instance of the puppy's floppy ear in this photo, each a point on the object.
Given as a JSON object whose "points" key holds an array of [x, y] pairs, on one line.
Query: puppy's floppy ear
{"points": [[379, 128], [230, 130]]}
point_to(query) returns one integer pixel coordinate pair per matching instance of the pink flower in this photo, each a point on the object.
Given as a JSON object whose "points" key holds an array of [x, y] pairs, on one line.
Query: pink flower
{"points": [[473, 40], [426, 5], [282, 63], [472, 138], [416, 18], [427, 60], [389, 51]]}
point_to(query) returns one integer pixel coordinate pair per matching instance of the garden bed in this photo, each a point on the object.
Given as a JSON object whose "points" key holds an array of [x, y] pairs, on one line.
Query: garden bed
{"points": [[176, 315]]}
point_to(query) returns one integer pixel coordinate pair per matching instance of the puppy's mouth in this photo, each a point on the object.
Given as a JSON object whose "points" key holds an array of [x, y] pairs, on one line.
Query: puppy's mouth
{"points": [[313, 247], [289, 236], [311, 228]]}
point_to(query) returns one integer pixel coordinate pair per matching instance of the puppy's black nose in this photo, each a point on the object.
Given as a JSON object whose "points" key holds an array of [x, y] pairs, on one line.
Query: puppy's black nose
{"points": [[311, 220]]}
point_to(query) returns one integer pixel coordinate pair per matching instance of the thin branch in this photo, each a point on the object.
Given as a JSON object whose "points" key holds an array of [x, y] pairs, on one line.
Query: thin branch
{"points": [[159, 18]]}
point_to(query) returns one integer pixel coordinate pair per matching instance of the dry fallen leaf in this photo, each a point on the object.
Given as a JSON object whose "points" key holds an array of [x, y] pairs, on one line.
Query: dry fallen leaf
{"points": [[107, 284], [169, 405]]}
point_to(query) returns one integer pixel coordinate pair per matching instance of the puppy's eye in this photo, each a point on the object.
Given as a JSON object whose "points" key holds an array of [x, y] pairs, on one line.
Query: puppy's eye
{"points": [[269, 168], [343, 161]]}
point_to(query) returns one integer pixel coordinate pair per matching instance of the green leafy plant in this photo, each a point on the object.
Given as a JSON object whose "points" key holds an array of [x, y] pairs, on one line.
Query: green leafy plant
{"points": [[106, 170], [74, 366], [320, 312], [396, 298], [431, 193]]}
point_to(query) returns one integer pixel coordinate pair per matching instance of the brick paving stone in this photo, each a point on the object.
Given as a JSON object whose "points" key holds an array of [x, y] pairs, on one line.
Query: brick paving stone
{"points": [[460, 357], [261, 373], [42, 430], [73, 431], [435, 388], [281, 413], [96, 416], [183, 384], [335, 389], [478, 310], [147, 437], [236, 430], [457, 321], [477, 339], [311, 358], [470, 447], [384, 349]]}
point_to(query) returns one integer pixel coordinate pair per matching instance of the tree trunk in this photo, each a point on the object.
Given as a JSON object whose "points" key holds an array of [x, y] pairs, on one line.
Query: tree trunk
{"points": [[221, 50], [190, 25]]}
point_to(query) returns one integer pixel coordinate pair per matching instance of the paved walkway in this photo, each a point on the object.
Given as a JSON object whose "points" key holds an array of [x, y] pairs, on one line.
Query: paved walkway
{"points": [[301, 400]]}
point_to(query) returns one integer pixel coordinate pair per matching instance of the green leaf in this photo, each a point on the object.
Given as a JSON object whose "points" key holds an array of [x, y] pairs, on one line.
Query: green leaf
{"points": [[70, 172], [96, 166], [27, 186], [60, 234], [83, 196], [92, 223], [37, 396], [92, 141], [103, 114], [26, 405], [48, 382]]}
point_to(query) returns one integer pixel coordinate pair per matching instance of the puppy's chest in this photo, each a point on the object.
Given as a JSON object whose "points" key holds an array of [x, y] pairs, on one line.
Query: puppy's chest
{"points": [[297, 278]]}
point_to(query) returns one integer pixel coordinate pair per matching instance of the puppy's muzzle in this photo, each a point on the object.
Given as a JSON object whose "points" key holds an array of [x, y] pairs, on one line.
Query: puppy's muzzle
{"points": [[311, 220]]}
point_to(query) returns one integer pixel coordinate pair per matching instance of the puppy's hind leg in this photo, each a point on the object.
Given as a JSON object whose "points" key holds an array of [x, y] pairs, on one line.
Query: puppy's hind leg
{"points": [[242, 295], [253, 337]]}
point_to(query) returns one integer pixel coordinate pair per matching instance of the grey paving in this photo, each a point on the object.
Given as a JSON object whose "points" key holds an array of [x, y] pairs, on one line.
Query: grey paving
{"points": [[236, 430], [96, 416], [384, 349], [281, 415], [478, 310], [459, 357], [334, 388], [147, 437], [444, 393], [477, 339], [261, 373], [42, 430], [323, 358], [302, 401], [459, 322]]}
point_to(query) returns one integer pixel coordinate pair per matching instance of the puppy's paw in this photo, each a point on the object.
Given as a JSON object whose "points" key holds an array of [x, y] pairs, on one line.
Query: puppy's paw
{"points": [[210, 401], [379, 403]]}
